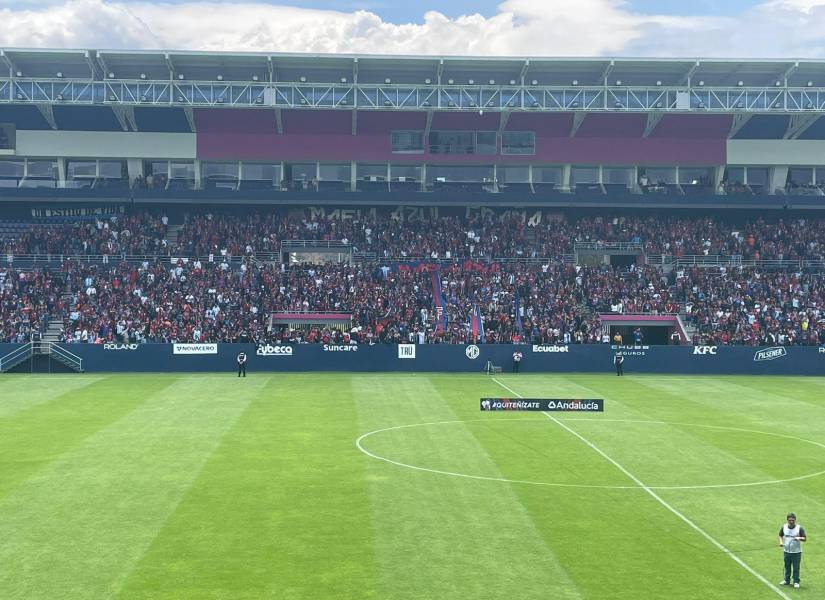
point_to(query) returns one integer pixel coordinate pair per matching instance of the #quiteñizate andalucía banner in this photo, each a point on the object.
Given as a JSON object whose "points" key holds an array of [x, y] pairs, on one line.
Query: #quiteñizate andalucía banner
{"points": [[544, 404]]}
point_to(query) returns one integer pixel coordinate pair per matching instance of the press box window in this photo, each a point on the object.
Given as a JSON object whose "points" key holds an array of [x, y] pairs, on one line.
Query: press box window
{"points": [[518, 142], [407, 142]]}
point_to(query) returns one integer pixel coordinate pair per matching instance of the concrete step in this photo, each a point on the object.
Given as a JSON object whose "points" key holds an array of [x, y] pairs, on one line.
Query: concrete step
{"points": [[172, 234]]}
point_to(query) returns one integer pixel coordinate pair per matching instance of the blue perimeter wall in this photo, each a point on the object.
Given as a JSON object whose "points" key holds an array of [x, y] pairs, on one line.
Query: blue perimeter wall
{"points": [[792, 360]]}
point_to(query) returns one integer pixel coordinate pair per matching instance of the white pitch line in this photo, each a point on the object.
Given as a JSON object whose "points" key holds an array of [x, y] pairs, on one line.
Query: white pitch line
{"points": [[659, 499]]}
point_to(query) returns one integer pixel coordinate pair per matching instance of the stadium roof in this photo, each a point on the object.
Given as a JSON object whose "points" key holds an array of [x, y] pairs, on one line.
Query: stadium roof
{"points": [[329, 68]]}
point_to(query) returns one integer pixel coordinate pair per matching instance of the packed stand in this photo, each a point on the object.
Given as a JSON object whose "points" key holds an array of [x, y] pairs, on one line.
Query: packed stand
{"points": [[27, 298], [139, 233], [518, 302], [445, 238]]}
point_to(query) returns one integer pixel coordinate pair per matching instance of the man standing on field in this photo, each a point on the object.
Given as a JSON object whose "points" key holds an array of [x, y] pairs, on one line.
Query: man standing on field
{"points": [[791, 536], [618, 360], [517, 356], [242, 364]]}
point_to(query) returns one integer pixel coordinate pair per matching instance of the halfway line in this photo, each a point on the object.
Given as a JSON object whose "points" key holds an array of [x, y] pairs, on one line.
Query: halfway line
{"points": [[658, 498]]}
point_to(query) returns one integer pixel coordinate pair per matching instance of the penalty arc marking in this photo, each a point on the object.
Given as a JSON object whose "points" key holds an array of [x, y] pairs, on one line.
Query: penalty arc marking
{"points": [[359, 443]]}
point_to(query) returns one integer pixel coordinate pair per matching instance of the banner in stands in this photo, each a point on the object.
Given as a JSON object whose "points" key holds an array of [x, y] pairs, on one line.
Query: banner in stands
{"points": [[584, 358], [532, 217], [62, 212]]}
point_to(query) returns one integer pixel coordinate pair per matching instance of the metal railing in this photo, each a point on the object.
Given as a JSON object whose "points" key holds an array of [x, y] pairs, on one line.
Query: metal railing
{"points": [[731, 260], [695, 260], [73, 361], [607, 246], [287, 245], [16, 356]]}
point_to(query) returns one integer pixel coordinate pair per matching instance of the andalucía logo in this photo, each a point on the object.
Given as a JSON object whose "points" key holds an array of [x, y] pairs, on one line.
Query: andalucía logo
{"points": [[770, 354], [270, 350], [472, 352], [550, 348]]}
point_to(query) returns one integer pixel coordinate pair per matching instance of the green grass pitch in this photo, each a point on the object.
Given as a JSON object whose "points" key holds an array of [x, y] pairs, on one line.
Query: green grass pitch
{"points": [[205, 486]]}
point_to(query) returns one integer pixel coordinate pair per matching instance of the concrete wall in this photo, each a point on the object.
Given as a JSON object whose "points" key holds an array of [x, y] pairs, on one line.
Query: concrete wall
{"points": [[105, 144], [775, 152]]}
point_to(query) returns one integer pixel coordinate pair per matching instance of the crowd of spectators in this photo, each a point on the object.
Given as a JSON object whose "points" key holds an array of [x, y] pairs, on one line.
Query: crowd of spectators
{"points": [[141, 233], [752, 307], [204, 297], [551, 302], [151, 182], [27, 298], [446, 237]]}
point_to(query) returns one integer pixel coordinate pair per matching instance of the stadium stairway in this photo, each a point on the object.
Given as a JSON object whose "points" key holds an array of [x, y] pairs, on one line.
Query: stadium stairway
{"points": [[172, 234], [53, 329]]}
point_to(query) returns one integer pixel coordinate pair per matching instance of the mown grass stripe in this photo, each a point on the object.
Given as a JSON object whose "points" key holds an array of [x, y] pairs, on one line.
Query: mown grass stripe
{"points": [[76, 527], [32, 439], [462, 557], [279, 511], [22, 393]]}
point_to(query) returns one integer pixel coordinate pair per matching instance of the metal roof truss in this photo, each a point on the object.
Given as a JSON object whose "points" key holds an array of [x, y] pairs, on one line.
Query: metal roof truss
{"points": [[414, 97]]}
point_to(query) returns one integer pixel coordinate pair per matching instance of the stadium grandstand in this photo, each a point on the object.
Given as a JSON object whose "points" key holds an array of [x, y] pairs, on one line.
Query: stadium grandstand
{"points": [[330, 327], [190, 196]]}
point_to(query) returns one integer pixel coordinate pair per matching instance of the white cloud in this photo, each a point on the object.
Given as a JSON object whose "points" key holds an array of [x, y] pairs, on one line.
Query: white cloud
{"points": [[520, 27]]}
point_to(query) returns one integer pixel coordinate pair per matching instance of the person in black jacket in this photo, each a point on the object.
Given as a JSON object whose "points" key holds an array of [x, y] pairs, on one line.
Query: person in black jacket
{"points": [[242, 364], [618, 360]]}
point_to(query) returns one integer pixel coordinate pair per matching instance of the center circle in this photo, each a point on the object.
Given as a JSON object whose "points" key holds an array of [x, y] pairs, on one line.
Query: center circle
{"points": [[359, 443]]}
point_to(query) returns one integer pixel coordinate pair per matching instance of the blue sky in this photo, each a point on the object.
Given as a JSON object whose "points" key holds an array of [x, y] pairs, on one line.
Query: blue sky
{"points": [[412, 12], [657, 28]]}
